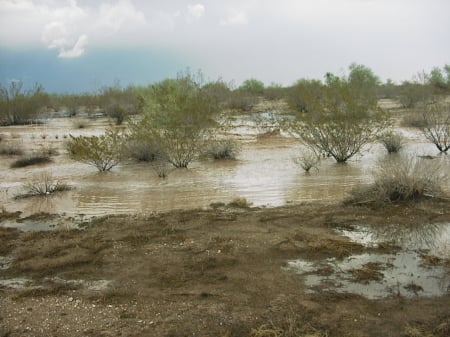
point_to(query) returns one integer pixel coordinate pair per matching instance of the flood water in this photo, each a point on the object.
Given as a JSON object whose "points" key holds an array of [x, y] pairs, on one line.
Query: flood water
{"points": [[264, 173]]}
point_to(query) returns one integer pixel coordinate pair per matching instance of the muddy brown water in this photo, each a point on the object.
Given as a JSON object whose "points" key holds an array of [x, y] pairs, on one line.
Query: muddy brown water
{"points": [[264, 173]]}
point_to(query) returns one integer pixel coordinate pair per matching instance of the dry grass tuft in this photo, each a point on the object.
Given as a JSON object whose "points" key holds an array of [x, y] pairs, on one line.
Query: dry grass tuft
{"points": [[403, 178]]}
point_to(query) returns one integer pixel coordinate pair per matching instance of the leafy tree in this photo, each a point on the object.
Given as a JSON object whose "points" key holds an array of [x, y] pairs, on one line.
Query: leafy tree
{"points": [[19, 106], [104, 152], [177, 116], [362, 79], [252, 86], [302, 93], [436, 79], [340, 120], [414, 93]]}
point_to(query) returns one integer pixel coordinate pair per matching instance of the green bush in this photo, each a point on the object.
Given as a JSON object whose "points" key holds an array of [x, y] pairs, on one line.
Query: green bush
{"points": [[178, 116], [104, 152], [19, 106], [338, 119]]}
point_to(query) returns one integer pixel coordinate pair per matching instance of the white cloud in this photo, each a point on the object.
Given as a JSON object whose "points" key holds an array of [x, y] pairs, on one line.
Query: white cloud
{"points": [[77, 50], [235, 18], [278, 40], [195, 12], [112, 17]]}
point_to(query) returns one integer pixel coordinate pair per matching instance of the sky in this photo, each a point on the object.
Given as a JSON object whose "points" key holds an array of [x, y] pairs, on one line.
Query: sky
{"points": [[84, 45]]}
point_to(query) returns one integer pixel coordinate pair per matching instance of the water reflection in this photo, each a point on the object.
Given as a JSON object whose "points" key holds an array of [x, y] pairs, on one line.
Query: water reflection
{"points": [[434, 238], [406, 272]]}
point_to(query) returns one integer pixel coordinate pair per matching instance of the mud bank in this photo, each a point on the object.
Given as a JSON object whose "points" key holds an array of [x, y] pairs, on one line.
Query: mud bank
{"points": [[214, 272]]}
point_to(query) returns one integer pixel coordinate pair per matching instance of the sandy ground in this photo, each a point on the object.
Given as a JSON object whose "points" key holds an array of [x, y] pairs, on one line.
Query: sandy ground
{"points": [[216, 272]]}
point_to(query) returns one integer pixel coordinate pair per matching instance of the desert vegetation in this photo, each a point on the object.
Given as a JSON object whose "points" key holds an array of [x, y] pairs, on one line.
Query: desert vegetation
{"points": [[392, 141], [341, 116], [104, 152], [403, 178], [43, 185], [436, 127], [178, 115]]}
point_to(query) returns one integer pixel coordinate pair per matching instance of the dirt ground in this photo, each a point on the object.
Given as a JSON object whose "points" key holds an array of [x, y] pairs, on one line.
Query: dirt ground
{"points": [[215, 272]]}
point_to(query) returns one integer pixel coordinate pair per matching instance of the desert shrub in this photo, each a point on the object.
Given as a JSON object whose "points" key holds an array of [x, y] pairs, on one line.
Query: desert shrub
{"points": [[143, 150], [239, 202], [43, 185], [403, 178], [413, 119], [340, 120], [178, 116], [274, 92], [20, 106], [392, 141], [10, 149], [161, 166], [34, 159], [437, 125], [308, 160], [252, 86], [104, 152], [266, 122], [241, 101], [222, 149]]}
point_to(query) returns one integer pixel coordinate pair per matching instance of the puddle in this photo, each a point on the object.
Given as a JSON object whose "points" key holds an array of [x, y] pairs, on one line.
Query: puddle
{"points": [[25, 283], [33, 225], [416, 270]]}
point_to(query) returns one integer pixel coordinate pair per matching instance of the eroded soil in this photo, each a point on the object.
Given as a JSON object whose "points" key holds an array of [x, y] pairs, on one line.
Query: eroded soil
{"points": [[216, 272]]}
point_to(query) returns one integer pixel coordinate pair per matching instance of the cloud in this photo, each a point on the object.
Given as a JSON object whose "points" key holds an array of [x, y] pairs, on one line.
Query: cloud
{"points": [[57, 36], [195, 12], [235, 18], [112, 17], [77, 50]]}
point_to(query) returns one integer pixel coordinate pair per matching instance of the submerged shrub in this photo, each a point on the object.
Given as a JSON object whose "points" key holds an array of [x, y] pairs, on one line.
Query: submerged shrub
{"points": [[104, 152], [392, 141], [143, 150], [437, 125], [240, 202], [43, 185], [403, 178], [34, 159], [308, 160], [222, 149]]}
